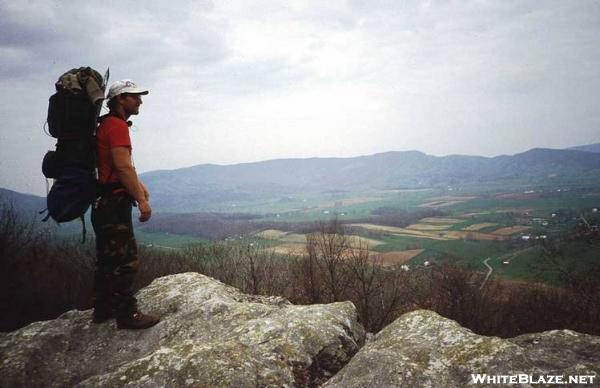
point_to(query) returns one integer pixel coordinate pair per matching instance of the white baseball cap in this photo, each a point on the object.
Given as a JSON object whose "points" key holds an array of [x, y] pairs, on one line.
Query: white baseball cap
{"points": [[124, 86]]}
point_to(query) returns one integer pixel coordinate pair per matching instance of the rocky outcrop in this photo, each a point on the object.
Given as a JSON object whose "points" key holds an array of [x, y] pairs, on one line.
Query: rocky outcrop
{"points": [[423, 349], [210, 335]]}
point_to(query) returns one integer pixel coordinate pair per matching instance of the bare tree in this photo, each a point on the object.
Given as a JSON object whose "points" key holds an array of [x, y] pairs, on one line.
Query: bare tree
{"points": [[15, 233], [310, 271], [366, 272], [583, 285], [258, 270], [329, 248]]}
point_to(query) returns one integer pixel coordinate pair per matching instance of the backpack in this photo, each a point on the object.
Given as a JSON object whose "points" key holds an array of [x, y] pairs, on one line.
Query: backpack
{"points": [[72, 119]]}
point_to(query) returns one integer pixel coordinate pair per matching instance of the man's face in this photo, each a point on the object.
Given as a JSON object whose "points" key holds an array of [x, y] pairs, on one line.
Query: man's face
{"points": [[131, 103]]}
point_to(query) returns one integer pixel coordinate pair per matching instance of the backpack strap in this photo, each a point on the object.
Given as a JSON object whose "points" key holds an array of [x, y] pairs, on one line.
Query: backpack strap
{"points": [[109, 188], [83, 231], [47, 215], [46, 209]]}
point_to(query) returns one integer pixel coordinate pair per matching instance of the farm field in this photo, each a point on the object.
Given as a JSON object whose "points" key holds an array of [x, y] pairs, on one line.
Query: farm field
{"points": [[398, 257], [428, 227], [445, 201], [440, 232], [507, 231], [295, 244], [476, 227], [442, 220], [399, 231]]}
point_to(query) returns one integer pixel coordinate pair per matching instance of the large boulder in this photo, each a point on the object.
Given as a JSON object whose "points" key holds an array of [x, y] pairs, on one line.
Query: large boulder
{"points": [[210, 335], [423, 349]]}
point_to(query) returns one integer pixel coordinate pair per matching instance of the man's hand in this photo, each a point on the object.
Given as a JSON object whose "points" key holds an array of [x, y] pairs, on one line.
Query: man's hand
{"points": [[145, 190], [145, 211]]}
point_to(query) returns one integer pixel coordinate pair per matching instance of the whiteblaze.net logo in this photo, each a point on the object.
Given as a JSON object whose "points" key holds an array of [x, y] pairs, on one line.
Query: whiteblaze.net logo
{"points": [[483, 378]]}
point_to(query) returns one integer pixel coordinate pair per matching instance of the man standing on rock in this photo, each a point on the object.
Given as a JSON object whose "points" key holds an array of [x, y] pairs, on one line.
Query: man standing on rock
{"points": [[116, 248]]}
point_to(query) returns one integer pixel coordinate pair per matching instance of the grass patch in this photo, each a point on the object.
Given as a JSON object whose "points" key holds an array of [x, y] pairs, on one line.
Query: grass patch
{"points": [[166, 239]]}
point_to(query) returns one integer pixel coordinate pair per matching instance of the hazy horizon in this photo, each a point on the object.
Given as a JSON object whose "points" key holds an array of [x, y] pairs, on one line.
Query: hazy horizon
{"points": [[241, 82]]}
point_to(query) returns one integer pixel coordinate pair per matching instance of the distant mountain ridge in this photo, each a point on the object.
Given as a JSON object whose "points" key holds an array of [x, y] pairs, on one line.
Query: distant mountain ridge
{"points": [[588, 147], [201, 186], [23, 203], [208, 186]]}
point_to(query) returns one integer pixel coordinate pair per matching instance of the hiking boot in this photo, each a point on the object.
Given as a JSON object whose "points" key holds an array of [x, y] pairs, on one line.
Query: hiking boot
{"points": [[137, 321]]}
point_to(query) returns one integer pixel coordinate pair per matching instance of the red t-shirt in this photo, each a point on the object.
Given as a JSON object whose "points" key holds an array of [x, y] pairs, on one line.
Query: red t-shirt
{"points": [[113, 132]]}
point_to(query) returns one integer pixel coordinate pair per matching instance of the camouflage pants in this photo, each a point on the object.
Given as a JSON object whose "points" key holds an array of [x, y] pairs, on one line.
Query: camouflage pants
{"points": [[116, 254]]}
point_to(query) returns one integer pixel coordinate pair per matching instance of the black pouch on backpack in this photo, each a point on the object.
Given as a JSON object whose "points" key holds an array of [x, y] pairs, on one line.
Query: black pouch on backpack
{"points": [[50, 165]]}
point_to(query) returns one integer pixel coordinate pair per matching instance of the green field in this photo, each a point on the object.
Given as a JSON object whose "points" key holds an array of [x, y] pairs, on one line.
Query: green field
{"points": [[158, 239]]}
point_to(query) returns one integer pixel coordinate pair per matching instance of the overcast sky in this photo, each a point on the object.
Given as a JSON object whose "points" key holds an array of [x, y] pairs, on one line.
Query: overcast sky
{"points": [[242, 81]]}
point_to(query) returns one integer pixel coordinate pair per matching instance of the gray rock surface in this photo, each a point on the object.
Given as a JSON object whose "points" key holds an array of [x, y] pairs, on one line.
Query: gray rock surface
{"points": [[210, 335], [423, 349]]}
